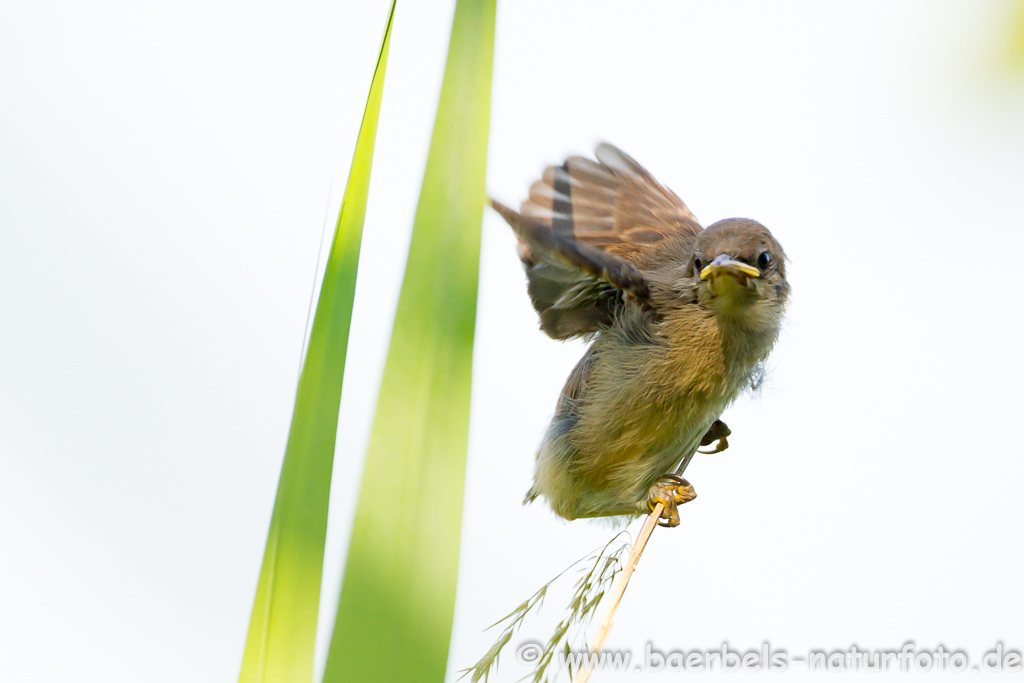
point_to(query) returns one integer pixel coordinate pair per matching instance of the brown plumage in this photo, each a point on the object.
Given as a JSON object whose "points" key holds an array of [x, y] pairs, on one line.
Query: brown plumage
{"points": [[681, 318]]}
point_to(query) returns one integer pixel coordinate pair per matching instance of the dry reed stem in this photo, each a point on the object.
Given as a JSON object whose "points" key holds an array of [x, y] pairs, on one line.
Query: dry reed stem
{"points": [[605, 625]]}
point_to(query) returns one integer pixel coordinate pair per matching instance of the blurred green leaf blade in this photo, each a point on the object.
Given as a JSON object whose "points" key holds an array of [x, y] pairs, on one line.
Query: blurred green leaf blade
{"points": [[398, 594], [282, 629]]}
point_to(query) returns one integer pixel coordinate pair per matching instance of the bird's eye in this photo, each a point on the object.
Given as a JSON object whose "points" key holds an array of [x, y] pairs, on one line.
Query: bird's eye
{"points": [[764, 260], [696, 264]]}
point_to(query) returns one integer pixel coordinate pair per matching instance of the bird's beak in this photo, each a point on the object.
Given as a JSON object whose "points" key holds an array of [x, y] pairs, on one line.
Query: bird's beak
{"points": [[725, 264]]}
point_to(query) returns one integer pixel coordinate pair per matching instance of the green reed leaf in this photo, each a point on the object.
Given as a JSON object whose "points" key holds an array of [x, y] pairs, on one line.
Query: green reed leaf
{"points": [[282, 629], [397, 599]]}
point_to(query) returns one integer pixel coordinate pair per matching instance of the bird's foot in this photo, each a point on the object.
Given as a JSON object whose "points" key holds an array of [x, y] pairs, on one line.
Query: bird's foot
{"points": [[671, 491], [717, 432]]}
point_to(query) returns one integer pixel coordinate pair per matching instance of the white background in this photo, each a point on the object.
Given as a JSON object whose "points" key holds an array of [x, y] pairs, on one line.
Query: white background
{"points": [[164, 176]]}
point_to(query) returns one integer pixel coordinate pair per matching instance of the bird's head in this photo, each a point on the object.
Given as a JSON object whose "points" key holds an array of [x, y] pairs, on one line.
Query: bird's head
{"points": [[741, 272]]}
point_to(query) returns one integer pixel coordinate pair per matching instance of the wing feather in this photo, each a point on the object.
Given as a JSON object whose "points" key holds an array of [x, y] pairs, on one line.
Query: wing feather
{"points": [[585, 230]]}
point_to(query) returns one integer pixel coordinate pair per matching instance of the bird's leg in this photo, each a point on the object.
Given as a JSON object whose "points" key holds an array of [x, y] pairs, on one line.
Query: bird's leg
{"points": [[671, 491], [717, 432]]}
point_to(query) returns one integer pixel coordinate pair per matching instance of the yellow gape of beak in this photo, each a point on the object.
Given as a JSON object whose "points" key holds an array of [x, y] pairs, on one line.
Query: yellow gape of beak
{"points": [[727, 264]]}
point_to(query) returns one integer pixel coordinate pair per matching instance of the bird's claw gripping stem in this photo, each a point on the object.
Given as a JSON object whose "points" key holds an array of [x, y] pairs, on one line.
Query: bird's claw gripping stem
{"points": [[671, 491]]}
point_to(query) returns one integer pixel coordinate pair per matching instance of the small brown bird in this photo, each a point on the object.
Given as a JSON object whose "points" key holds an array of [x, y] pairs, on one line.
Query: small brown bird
{"points": [[681, 317]]}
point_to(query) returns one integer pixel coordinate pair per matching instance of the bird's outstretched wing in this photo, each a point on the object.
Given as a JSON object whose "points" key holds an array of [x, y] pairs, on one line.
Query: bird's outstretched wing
{"points": [[583, 234]]}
